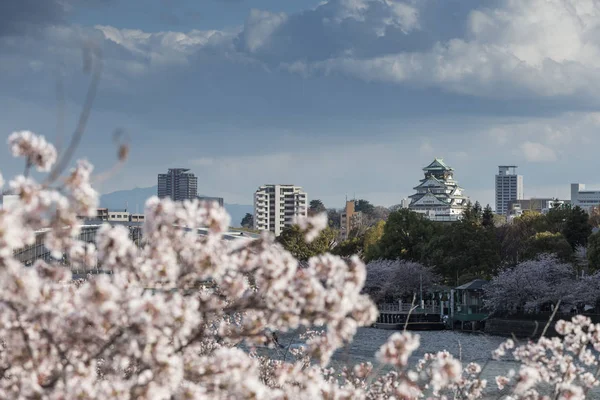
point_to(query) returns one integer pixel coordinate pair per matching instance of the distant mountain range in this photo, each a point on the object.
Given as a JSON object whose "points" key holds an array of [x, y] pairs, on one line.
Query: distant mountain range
{"points": [[135, 199]]}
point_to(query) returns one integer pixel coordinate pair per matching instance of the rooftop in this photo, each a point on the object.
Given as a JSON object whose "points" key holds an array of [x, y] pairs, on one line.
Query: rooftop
{"points": [[437, 164]]}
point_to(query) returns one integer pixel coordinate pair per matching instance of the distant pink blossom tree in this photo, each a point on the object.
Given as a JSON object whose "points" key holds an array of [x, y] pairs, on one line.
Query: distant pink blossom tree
{"points": [[395, 279], [533, 284]]}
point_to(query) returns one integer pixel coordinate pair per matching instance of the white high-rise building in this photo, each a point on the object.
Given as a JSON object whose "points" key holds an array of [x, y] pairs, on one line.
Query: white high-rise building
{"points": [[509, 187], [275, 207], [586, 199]]}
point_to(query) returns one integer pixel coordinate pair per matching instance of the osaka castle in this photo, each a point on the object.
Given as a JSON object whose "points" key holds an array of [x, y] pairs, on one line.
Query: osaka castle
{"points": [[438, 195]]}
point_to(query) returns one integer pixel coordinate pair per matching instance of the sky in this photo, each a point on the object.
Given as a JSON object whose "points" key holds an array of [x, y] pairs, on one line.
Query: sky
{"points": [[342, 97]]}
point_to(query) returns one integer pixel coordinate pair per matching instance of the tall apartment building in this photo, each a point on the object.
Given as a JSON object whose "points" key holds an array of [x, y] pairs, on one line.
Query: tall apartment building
{"points": [[275, 207], [178, 184], [509, 187], [586, 199]]}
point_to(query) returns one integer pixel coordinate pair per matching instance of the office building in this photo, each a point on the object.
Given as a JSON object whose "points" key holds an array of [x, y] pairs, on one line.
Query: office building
{"points": [[178, 184], [275, 207], [586, 199], [438, 195], [509, 187]]}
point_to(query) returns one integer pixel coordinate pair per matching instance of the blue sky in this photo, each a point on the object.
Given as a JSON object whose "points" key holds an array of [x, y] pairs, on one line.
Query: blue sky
{"points": [[342, 97]]}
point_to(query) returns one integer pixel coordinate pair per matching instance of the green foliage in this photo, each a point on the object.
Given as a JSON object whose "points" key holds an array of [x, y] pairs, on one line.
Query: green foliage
{"points": [[499, 220], [557, 217], [371, 240], [464, 249], [476, 246], [406, 235], [292, 239], [472, 213], [349, 247], [547, 243], [577, 228], [316, 207], [333, 218], [487, 217], [364, 206], [593, 251], [513, 236], [247, 221]]}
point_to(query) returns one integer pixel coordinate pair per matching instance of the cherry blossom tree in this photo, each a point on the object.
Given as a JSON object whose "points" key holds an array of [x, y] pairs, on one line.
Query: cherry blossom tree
{"points": [[394, 279], [110, 337], [531, 285]]}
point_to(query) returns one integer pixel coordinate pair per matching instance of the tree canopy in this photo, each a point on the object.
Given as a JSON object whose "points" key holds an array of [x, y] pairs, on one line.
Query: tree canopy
{"points": [[293, 240], [248, 221], [316, 206]]}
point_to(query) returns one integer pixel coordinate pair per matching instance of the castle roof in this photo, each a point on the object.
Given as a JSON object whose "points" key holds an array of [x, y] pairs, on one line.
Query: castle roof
{"points": [[437, 165]]}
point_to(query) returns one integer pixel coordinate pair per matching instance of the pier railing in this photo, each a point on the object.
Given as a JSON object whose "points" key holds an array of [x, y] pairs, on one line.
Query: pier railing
{"points": [[405, 308]]}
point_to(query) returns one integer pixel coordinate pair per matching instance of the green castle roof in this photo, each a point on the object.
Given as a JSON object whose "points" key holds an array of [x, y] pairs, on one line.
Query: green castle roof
{"points": [[437, 165]]}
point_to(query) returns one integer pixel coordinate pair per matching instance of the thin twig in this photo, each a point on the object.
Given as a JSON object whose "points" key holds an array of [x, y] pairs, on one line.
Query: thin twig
{"points": [[27, 167], [83, 117], [551, 318], [60, 111], [412, 308]]}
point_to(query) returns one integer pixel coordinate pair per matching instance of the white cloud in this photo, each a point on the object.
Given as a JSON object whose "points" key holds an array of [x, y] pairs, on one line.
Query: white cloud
{"points": [[541, 47], [259, 27], [163, 48], [537, 152]]}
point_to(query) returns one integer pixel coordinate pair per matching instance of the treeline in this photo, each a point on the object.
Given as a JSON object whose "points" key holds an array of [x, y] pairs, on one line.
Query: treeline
{"points": [[478, 246]]}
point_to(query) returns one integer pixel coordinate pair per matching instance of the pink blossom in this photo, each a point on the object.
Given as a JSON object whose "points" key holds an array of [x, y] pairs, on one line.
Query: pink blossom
{"points": [[34, 147]]}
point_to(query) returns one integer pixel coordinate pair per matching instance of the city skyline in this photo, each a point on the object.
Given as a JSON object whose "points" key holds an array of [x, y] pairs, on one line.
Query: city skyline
{"points": [[232, 91]]}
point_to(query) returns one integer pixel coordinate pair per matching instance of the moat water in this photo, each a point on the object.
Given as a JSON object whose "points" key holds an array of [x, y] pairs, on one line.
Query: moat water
{"points": [[466, 347]]}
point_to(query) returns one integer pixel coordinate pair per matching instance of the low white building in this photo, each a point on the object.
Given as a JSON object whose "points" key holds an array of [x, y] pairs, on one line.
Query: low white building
{"points": [[583, 198], [275, 207], [137, 218], [118, 216]]}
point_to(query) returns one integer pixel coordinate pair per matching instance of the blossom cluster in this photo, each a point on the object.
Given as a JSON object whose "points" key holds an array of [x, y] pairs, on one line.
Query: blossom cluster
{"points": [[165, 324]]}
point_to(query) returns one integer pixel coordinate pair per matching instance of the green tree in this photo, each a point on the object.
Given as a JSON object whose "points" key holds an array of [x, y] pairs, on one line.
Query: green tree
{"points": [[477, 211], [350, 247], [371, 241], [577, 227], [464, 251], [333, 218], [316, 206], [593, 251], [292, 239], [364, 206], [547, 243], [406, 235], [513, 236], [557, 217], [487, 218], [472, 213], [248, 221]]}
